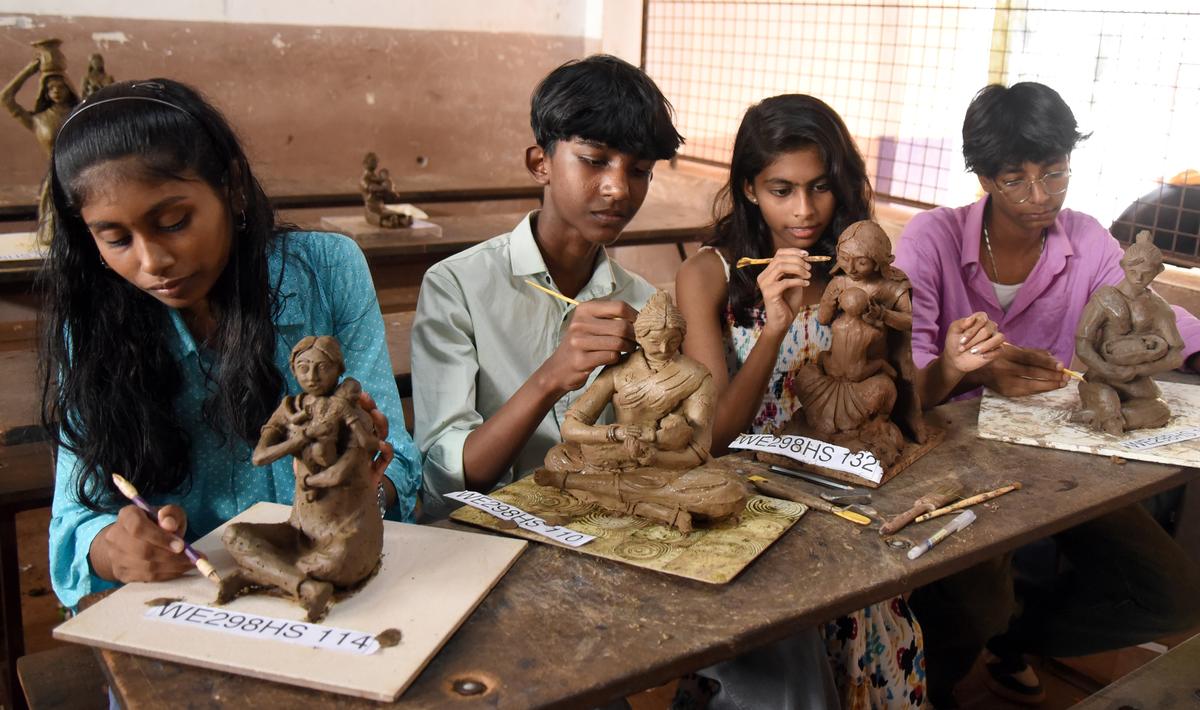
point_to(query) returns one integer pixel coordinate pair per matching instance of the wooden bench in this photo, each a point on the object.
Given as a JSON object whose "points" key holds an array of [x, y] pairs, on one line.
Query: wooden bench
{"points": [[64, 678], [26, 482], [1170, 681]]}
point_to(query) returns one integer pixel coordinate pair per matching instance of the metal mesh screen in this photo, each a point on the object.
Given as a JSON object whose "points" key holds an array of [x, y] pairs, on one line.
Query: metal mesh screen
{"points": [[902, 73]]}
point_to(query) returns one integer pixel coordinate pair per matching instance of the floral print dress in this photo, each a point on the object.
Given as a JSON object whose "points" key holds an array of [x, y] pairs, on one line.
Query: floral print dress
{"points": [[877, 654]]}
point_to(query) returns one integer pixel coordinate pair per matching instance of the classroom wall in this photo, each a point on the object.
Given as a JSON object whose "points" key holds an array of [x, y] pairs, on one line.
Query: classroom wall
{"points": [[433, 88]]}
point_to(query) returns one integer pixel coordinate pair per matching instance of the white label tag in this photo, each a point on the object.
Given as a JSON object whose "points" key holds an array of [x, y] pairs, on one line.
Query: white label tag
{"points": [[264, 627], [528, 521], [1167, 437], [801, 448]]}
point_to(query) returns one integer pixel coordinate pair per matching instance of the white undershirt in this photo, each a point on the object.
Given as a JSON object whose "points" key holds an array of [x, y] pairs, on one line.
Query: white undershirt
{"points": [[1005, 293]]}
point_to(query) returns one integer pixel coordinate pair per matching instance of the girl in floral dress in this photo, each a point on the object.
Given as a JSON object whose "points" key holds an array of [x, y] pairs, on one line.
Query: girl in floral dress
{"points": [[796, 181]]}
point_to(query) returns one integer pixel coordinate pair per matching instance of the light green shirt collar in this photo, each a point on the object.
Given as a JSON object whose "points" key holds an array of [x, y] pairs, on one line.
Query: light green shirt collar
{"points": [[526, 260]]}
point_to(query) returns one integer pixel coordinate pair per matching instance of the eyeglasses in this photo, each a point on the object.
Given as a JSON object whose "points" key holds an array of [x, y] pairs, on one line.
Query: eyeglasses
{"points": [[1018, 191]]}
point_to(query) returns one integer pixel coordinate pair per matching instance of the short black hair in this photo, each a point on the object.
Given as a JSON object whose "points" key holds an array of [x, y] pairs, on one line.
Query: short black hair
{"points": [[1027, 122], [604, 99]]}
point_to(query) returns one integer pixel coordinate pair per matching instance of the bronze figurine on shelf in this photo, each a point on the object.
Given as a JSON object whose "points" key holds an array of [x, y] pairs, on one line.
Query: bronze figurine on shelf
{"points": [[376, 187], [55, 96], [334, 537], [1126, 334], [650, 462], [54, 102], [96, 78]]}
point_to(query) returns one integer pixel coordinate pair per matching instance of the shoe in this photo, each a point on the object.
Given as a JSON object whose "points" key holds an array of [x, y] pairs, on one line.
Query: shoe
{"points": [[1002, 680]]}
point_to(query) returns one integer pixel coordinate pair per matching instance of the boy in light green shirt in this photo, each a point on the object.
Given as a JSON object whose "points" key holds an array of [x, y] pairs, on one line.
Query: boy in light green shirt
{"points": [[496, 362]]}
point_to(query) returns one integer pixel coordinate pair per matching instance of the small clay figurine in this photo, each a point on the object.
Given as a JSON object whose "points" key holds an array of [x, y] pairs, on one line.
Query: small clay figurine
{"points": [[858, 391], [96, 78], [1126, 334], [376, 188], [334, 537], [650, 462]]}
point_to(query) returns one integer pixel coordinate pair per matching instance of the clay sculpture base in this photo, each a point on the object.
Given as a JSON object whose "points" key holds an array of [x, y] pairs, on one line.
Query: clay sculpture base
{"points": [[358, 229], [714, 554], [1045, 420], [909, 454], [430, 581]]}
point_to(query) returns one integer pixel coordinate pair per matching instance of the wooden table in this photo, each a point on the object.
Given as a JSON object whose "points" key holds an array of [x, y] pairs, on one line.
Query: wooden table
{"points": [[19, 202], [678, 208], [567, 630]]}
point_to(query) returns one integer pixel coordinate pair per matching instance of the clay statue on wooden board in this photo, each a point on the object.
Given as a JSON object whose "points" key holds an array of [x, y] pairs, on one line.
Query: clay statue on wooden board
{"points": [[860, 394], [334, 537], [650, 461], [376, 187], [1126, 334]]}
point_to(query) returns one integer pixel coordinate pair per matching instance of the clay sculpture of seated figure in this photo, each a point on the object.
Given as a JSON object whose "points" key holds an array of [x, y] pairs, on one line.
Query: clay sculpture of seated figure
{"points": [[848, 394], [1126, 334], [861, 393], [376, 188], [334, 536], [650, 461]]}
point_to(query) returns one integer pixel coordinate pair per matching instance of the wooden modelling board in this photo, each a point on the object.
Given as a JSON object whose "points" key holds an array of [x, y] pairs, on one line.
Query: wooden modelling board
{"points": [[358, 229], [1044, 420], [713, 554], [431, 579], [908, 456], [20, 249]]}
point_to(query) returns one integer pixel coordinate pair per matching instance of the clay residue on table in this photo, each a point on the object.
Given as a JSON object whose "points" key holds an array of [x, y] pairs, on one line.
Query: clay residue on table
{"points": [[163, 601], [388, 638]]}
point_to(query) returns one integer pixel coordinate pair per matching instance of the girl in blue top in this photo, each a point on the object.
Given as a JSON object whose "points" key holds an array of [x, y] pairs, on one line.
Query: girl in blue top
{"points": [[173, 298]]}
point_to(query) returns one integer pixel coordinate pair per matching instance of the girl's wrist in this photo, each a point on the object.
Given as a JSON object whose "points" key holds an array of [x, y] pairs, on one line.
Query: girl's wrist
{"points": [[950, 372], [774, 332]]}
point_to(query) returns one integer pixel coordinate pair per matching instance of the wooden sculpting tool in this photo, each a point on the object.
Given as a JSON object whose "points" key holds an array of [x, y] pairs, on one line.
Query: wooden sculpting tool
{"points": [[556, 294], [131, 492], [968, 502], [776, 490], [1072, 373], [925, 504], [749, 261]]}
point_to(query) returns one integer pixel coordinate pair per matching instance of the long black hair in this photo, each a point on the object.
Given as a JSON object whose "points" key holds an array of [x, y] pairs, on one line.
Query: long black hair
{"points": [[770, 128], [110, 379]]}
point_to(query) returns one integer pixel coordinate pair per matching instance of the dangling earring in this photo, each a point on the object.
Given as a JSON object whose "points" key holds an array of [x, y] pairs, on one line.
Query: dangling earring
{"points": [[241, 225]]}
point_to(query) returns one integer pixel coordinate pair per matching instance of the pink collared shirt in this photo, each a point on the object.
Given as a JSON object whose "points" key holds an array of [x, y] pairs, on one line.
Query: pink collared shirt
{"points": [[939, 250]]}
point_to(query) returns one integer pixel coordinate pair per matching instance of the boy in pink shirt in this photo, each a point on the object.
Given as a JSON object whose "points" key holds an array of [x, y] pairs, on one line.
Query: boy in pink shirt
{"points": [[1030, 266], [952, 277]]}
